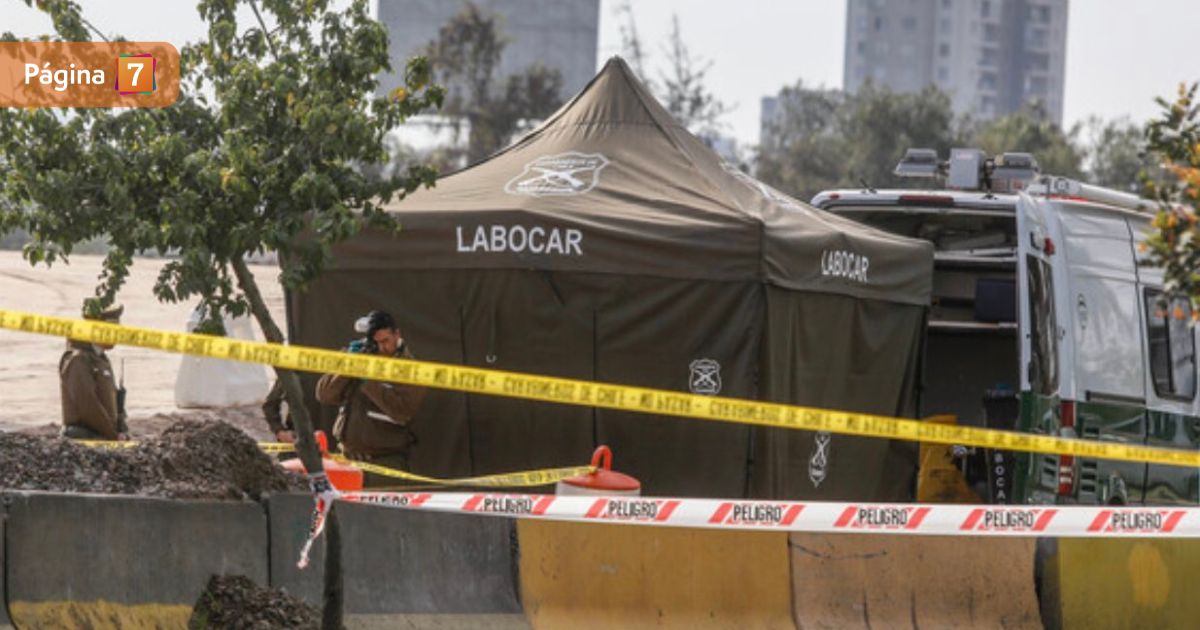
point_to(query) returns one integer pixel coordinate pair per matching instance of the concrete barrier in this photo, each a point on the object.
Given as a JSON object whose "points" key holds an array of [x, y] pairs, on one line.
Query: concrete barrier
{"points": [[428, 569], [404, 568], [873, 581], [105, 561], [84, 561], [288, 516], [5, 622], [1120, 583], [589, 575]]}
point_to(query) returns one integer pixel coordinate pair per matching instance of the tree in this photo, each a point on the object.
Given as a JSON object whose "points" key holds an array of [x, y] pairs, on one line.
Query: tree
{"points": [[802, 146], [631, 42], [1030, 131], [823, 139], [267, 164], [1174, 243], [466, 56], [682, 86], [881, 125], [1116, 154], [683, 90]]}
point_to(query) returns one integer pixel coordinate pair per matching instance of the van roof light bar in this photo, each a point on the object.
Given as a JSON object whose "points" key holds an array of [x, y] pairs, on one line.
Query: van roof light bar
{"points": [[972, 169], [919, 163], [969, 170], [1013, 172], [1016, 160]]}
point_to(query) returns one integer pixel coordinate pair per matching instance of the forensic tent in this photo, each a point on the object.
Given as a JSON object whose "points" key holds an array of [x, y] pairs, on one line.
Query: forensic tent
{"points": [[610, 244]]}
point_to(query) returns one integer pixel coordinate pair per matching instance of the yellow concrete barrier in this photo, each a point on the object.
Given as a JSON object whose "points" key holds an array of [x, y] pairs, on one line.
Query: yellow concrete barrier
{"points": [[99, 614], [859, 581], [1097, 583], [584, 575]]}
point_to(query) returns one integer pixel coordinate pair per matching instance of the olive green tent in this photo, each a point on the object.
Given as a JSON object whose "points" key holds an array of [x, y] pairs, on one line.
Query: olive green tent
{"points": [[610, 244]]}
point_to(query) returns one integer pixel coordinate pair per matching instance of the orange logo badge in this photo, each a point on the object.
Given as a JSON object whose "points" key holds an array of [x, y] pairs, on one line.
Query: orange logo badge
{"points": [[135, 74]]}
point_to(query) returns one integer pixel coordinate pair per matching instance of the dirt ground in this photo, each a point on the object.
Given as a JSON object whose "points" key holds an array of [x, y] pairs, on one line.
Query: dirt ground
{"points": [[29, 395]]}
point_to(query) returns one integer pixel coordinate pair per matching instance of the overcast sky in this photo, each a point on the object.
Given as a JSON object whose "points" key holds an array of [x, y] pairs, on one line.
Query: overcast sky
{"points": [[1120, 53]]}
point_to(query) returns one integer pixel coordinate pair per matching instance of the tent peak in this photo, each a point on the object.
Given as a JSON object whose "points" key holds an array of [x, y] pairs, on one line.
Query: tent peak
{"points": [[615, 94]]}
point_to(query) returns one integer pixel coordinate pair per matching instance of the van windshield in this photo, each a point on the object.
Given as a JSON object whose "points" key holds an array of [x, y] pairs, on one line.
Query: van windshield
{"points": [[951, 230]]}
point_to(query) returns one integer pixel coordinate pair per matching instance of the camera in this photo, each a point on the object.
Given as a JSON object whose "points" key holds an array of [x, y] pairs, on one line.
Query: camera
{"points": [[366, 345]]}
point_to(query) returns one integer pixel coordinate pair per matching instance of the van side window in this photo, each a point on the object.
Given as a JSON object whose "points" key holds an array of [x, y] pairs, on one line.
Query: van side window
{"points": [[1172, 347], [1043, 367]]}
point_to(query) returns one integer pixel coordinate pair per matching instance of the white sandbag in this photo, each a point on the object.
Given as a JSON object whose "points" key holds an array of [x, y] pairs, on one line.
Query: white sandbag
{"points": [[204, 382]]}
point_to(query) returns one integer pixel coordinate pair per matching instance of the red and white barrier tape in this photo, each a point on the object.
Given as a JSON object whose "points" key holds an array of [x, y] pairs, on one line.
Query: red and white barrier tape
{"points": [[800, 516], [324, 494], [813, 516]]}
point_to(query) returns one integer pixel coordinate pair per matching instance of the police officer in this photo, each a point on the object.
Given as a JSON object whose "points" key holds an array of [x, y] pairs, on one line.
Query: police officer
{"points": [[280, 424], [373, 417], [93, 408]]}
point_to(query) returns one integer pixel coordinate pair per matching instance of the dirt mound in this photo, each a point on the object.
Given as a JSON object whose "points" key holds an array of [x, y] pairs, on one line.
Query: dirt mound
{"points": [[29, 462], [248, 418], [211, 460], [190, 460], [236, 602]]}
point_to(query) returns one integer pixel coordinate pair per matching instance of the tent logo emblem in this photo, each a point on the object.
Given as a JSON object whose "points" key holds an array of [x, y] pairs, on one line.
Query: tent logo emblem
{"points": [[570, 173], [705, 378], [818, 464]]}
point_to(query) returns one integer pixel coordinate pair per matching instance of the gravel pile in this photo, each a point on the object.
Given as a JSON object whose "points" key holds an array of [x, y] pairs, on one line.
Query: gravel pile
{"points": [[234, 602], [189, 460]]}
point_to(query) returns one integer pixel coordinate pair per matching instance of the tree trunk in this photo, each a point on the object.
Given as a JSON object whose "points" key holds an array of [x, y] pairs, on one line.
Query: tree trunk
{"points": [[306, 446], [479, 141]]}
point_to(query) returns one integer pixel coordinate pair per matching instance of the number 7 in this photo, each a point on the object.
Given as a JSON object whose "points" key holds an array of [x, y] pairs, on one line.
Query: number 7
{"points": [[137, 71]]}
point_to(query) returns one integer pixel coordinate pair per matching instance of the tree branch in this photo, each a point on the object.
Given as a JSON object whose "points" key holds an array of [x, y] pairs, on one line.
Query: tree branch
{"points": [[94, 29], [267, 34]]}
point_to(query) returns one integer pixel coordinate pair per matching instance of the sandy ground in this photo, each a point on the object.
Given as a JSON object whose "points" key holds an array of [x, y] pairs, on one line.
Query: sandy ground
{"points": [[29, 394]]}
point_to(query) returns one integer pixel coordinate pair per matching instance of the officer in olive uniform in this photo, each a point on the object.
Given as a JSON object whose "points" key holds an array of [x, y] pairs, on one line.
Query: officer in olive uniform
{"points": [[281, 424], [373, 416], [93, 407]]}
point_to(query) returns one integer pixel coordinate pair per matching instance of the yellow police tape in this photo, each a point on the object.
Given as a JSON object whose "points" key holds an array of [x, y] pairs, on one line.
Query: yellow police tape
{"points": [[526, 478], [584, 393], [108, 444], [522, 479], [266, 447], [276, 447]]}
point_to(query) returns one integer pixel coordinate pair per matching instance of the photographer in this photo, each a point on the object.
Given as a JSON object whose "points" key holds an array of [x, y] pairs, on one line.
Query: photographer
{"points": [[373, 417]]}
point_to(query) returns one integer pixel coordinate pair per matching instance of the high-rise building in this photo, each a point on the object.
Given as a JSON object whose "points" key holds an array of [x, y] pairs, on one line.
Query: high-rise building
{"points": [[992, 56], [558, 34]]}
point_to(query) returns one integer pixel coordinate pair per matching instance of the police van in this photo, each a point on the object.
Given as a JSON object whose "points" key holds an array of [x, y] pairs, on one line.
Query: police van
{"points": [[1046, 319]]}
